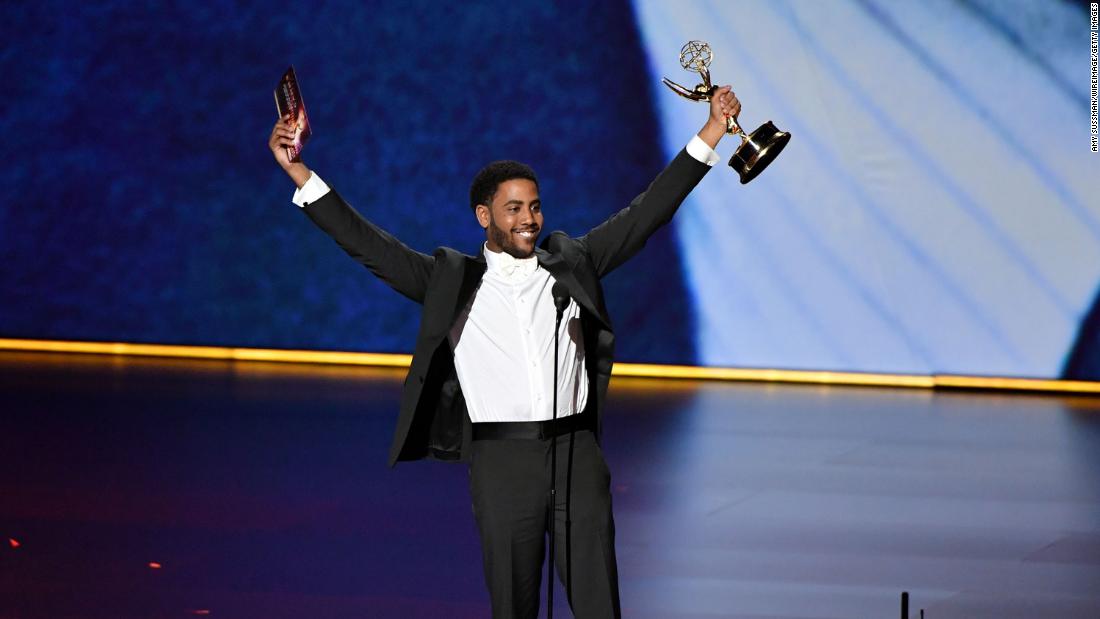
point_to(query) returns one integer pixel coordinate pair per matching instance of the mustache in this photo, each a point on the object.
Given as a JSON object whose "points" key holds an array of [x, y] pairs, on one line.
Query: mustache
{"points": [[531, 229]]}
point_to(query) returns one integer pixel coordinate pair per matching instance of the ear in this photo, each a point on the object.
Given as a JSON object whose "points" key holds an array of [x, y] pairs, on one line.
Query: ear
{"points": [[483, 214]]}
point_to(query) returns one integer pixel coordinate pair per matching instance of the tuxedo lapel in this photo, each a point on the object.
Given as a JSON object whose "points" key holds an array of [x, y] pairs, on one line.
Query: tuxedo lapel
{"points": [[562, 271], [458, 280], [473, 269]]}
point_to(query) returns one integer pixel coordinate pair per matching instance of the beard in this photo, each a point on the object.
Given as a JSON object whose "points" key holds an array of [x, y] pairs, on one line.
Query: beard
{"points": [[510, 242]]}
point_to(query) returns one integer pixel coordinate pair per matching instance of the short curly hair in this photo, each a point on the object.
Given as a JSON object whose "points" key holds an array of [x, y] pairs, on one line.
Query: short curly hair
{"points": [[491, 176]]}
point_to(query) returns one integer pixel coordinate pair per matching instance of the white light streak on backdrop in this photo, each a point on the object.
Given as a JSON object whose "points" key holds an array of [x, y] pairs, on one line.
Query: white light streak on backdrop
{"points": [[937, 209]]}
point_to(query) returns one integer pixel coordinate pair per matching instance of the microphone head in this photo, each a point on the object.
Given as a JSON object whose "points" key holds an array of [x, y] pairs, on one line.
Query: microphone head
{"points": [[561, 296]]}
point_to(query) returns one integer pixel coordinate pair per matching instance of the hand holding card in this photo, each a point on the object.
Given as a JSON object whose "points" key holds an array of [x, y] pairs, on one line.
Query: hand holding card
{"points": [[291, 106]]}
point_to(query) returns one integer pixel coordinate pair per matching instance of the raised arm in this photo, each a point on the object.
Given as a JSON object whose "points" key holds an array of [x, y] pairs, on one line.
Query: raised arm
{"points": [[625, 233], [405, 270]]}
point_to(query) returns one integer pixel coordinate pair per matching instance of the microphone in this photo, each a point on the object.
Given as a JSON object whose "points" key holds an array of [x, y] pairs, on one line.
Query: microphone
{"points": [[561, 298]]}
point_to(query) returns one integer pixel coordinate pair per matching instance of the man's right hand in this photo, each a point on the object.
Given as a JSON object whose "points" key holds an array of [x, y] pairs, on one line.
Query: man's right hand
{"points": [[282, 136]]}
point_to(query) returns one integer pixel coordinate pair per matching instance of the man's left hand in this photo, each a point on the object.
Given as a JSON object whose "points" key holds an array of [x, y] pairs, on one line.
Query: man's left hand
{"points": [[723, 104]]}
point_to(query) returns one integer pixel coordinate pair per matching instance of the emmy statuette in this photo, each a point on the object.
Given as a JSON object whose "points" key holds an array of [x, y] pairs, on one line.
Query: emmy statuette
{"points": [[758, 148]]}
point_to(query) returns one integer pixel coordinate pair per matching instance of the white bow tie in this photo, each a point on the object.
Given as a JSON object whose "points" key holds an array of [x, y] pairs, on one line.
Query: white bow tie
{"points": [[512, 269]]}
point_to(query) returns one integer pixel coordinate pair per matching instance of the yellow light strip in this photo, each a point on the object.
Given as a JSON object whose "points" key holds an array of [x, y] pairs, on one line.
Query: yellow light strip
{"points": [[765, 375], [1019, 384], [640, 370], [210, 352]]}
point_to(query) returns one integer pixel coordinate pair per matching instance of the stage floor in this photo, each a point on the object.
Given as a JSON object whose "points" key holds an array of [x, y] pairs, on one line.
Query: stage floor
{"points": [[149, 488]]}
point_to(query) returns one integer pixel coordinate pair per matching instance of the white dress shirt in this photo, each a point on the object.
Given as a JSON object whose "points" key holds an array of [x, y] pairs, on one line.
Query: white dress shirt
{"points": [[503, 343], [503, 340]]}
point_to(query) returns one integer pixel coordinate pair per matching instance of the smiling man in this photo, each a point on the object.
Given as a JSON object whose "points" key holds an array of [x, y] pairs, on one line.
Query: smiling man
{"points": [[481, 384]]}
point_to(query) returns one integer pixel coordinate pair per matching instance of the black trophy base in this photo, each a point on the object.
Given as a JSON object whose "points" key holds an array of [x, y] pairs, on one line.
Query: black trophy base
{"points": [[756, 152]]}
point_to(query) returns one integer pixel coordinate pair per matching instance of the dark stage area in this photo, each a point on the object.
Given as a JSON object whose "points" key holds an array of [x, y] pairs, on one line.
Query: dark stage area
{"points": [[150, 488]]}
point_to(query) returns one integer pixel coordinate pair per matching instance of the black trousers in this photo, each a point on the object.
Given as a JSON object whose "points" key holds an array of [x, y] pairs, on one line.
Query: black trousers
{"points": [[510, 488]]}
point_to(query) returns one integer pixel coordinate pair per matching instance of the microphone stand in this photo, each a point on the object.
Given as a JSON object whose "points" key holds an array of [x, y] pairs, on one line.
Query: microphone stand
{"points": [[561, 301]]}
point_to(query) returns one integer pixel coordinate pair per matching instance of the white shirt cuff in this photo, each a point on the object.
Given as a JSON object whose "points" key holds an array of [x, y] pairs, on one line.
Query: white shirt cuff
{"points": [[313, 190], [702, 153]]}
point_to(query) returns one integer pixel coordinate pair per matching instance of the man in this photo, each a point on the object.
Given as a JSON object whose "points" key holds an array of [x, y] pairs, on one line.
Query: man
{"points": [[480, 386]]}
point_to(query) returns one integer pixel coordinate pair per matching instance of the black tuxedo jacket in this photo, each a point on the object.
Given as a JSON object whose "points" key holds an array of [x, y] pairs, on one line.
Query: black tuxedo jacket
{"points": [[433, 422]]}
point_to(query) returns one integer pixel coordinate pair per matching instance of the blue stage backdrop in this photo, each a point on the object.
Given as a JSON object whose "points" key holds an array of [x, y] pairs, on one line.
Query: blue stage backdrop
{"points": [[143, 204], [937, 210]]}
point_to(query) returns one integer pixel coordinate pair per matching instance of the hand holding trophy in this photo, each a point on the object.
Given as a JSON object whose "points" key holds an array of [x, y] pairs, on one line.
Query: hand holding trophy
{"points": [[758, 148]]}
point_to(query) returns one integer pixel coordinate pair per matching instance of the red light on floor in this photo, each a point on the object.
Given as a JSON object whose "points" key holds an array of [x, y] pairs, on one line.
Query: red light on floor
{"points": [[154, 565], [200, 612], [14, 542]]}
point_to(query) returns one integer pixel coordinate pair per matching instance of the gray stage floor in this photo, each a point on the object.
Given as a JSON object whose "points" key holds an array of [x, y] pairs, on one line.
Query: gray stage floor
{"points": [[261, 490]]}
